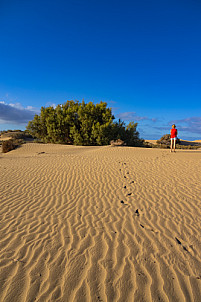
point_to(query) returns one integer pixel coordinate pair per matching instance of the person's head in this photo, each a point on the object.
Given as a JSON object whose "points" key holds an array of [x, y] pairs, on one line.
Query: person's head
{"points": [[173, 126]]}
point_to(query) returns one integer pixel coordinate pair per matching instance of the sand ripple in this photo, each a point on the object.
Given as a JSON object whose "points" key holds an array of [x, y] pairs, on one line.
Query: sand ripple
{"points": [[100, 224]]}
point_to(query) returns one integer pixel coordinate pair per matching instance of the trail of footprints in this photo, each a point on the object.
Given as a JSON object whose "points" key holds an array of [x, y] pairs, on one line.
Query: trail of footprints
{"points": [[126, 175], [129, 188], [86, 258]]}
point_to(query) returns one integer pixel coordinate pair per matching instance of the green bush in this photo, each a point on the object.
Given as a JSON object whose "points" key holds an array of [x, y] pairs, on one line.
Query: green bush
{"points": [[81, 124]]}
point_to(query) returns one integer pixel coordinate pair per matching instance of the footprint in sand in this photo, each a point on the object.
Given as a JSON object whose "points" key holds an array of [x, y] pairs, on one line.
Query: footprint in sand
{"points": [[179, 242], [124, 203], [137, 212]]}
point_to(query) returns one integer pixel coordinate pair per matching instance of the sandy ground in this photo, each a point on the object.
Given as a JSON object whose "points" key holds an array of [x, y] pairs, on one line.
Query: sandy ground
{"points": [[100, 224], [5, 138]]}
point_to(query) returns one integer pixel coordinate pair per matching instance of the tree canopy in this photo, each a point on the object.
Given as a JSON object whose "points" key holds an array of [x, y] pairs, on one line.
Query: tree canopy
{"points": [[81, 124]]}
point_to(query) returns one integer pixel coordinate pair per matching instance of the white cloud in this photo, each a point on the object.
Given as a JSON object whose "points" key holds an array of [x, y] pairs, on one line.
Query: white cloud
{"points": [[34, 109], [131, 116], [16, 105], [16, 113], [190, 124]]}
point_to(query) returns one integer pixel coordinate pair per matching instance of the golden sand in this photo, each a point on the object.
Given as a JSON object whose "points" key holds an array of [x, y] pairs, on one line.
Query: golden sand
{"points": [[100, 224]]}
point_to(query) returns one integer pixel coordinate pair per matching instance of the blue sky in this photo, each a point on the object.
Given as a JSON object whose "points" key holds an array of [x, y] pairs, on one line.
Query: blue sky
{"points": [[141, 57]]}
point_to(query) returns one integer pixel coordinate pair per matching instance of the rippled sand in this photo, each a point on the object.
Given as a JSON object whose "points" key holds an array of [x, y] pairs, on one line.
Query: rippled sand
{"points": [[100, 224]]}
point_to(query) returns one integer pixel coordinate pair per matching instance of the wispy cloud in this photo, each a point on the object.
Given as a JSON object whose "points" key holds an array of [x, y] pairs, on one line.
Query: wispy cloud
{"points": [[162, 128], [16, 113], [191, 124], [112, 102], [128, 116]]}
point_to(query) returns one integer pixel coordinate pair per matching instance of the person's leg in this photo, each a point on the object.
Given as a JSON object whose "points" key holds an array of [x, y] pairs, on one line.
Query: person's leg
{"points": [[174, 145], [171, 145]]}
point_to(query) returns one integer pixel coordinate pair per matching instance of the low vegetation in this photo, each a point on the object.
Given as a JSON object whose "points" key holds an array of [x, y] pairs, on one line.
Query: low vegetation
{"points": [[11, 144], [164, 143], [11, 139], [165, 140], [82, 124], [15, 134]]}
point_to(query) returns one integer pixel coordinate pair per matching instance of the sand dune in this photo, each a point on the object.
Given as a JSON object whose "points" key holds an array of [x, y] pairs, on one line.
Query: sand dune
{"points": [[100, 224]]}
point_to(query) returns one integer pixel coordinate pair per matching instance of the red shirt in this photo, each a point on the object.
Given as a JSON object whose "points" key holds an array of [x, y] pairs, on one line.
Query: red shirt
{"points": [[173, 133]]}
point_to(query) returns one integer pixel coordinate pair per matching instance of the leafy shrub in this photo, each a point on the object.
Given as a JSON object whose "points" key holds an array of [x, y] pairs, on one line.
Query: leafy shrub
{"points": [[127, 133], [81, 124]]}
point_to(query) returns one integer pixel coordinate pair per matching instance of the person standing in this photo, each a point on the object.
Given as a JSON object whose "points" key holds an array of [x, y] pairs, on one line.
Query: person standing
{"points": [[173, 137]]}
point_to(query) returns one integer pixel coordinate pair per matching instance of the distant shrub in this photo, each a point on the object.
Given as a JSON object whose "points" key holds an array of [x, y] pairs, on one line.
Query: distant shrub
{"points": [[15, 130], [165, 140], [11, 144], [164, 143], [17, 135], [148, 145], [188, 147], [8, 146]]}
